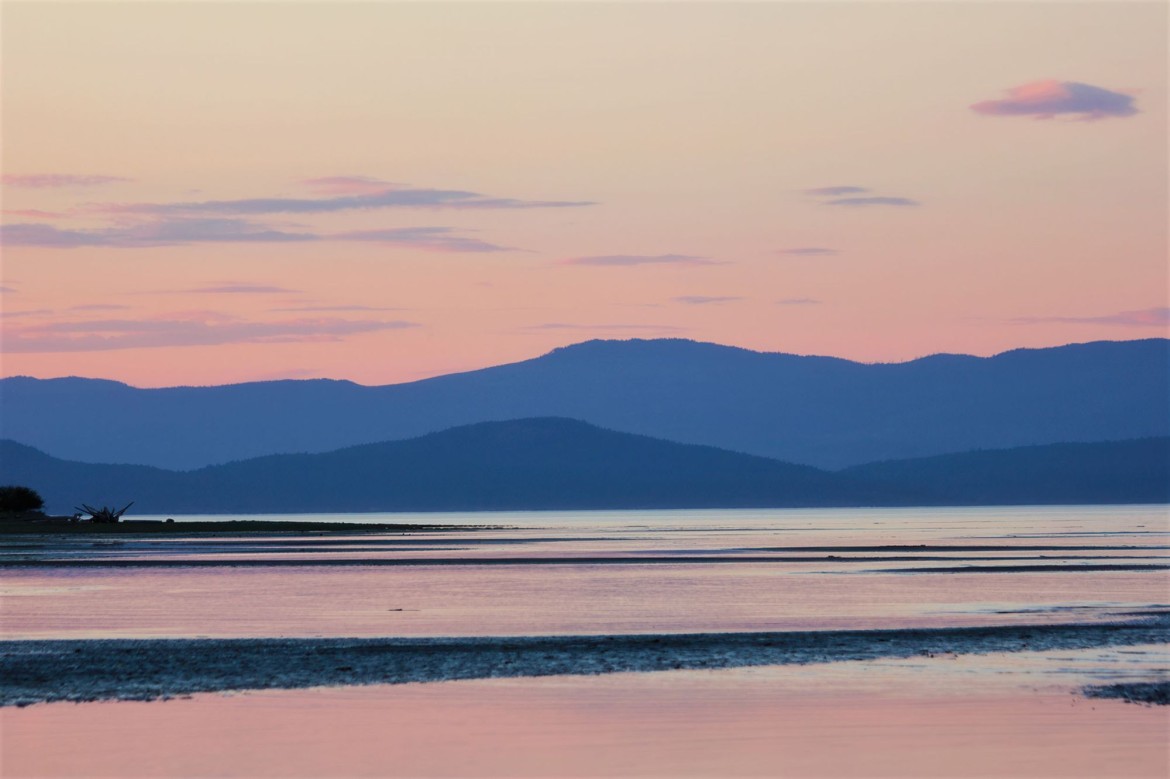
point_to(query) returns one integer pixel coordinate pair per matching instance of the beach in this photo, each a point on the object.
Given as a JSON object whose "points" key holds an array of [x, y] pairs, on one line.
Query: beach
{"points": [[966, 642]]}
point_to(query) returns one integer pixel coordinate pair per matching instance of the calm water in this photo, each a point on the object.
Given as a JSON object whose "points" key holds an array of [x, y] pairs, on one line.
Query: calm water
{"points": [[607, 572], [619, 572]]}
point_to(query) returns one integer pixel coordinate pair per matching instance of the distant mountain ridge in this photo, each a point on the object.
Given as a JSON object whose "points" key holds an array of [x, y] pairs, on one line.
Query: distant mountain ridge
{"points": [[821, 411], [550, 463], [523, 464]]}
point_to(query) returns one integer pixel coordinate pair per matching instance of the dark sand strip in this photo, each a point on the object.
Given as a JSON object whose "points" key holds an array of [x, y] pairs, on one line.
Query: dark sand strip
{"points": [[80, 670], [178, 562], [1152, 693]]}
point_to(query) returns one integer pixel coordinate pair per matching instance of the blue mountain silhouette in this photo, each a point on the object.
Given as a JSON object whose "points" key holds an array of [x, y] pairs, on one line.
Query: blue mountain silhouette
{"points": [[819, 411], [554, 463]]}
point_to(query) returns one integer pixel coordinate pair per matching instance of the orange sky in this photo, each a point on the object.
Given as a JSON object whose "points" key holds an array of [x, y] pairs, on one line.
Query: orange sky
{"points": [[209, 193]]}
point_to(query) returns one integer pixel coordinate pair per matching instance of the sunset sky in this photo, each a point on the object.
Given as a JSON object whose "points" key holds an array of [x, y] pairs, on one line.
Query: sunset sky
{"points": [[219, 192]]}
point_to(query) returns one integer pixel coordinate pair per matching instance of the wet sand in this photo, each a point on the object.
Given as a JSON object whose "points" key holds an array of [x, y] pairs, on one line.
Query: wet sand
{"points": [[43, 671]]}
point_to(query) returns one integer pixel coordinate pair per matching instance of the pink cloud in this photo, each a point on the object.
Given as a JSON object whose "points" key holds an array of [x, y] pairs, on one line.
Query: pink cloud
{"points": [[1049, 98], [46, 180], [176, 232], [366, 198], [181, 329]]}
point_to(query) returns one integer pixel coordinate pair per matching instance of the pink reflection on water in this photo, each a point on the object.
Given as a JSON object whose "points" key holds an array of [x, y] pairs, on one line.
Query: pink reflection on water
{"points": [[845, 719], [569, 599]]}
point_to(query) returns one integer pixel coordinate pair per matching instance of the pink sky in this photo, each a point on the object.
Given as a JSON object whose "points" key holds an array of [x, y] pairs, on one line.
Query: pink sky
{"points": [[211, 193]]}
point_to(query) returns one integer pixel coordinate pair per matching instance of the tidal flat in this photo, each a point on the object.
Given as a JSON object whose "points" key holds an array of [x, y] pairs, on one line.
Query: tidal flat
{"points": [[903, 627]]}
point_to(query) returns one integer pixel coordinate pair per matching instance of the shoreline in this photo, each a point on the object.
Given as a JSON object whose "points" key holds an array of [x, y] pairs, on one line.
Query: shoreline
{"points": [[41, 671], [204, 529]]}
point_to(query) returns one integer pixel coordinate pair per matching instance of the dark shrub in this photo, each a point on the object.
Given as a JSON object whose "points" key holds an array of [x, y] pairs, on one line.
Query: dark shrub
{"points": [[17, 499]]}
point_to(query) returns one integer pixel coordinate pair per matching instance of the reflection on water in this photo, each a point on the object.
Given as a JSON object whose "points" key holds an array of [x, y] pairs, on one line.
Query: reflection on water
{"points": [[619, 572], [975, 716], [603, 572]]}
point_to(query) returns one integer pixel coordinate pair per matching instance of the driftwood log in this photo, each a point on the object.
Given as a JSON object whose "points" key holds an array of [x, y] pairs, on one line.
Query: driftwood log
{"points": [[104, 515]]}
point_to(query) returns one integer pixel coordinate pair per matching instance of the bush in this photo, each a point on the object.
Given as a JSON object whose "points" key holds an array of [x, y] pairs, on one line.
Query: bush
{"points": [[17, 500]]}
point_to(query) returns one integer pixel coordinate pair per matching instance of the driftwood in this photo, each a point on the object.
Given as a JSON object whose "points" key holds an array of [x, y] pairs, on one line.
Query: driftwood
{"points": [[104, 515]]}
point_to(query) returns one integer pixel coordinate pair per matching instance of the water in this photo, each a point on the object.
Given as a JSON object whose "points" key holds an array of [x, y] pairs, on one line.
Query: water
{"points": [[605, 572], [1016, 714]]}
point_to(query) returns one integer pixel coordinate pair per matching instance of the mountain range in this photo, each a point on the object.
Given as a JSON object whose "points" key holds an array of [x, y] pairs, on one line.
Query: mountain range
{"points": [[819, 411], [551, 463]]}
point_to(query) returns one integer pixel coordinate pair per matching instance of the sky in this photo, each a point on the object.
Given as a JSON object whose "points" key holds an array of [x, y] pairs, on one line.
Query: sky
{"points": [[206, 193]]}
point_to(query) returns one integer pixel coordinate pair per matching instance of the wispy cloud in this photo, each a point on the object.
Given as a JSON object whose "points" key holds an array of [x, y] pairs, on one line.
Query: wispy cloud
{"points": [[177, 331], [641, 259], [808, 251], [440, 239], [171, 232], [835, 191], [702, 300], [6, 290], [48, 180], [394, 197], [100, 307], [159, 233], [1146, 317], [798, 302], [861, 202], [1050, 98]]}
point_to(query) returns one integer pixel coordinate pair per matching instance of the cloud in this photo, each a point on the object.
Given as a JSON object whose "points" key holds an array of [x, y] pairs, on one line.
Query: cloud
{"points": [[47, 180], [798, 302], [5, 290], [171, 232], [702, 300], [861, 202], [178, 330], [835, 191], [1049, 98], [641, 259], [1147, 317], [100, 307], [165, 232], [394, 197], [808, 251], [442, 239]]}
